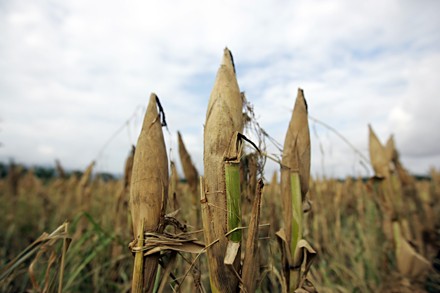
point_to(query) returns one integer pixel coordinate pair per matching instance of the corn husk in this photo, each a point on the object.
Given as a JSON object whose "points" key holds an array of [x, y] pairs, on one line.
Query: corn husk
{"points": [[295, 176], [82, 192], [189, 170], [296, 152], [128, 168], [296, 158], [173, 202], [409, 262], [149, 189], [122, 198], [379, 156], [223, 118], [251, 263]]}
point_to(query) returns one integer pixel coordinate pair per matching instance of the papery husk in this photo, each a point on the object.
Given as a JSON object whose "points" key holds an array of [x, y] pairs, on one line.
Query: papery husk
{"points": [[223, 118], [379, 156], [128, 168], [82, 194], [304, 253], [189, 170], [122, 199], [409, 262], [296, 151], [149, 185], [173, 202], [390, 149], [251, 264], [124, 193]]}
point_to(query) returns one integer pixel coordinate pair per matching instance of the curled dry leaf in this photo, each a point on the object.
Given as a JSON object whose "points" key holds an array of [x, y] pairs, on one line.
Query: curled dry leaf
{"points": [[409, 262]]}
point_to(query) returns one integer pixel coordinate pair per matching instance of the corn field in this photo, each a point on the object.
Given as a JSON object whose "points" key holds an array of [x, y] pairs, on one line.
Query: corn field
{"points": [[228, 227]]}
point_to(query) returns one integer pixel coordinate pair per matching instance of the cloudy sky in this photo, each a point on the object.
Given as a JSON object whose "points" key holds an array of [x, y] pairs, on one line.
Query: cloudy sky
{"points": [[75, 76]]}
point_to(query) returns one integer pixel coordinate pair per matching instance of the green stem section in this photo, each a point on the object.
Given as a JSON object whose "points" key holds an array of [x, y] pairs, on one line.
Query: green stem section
{"points": [[297, 214], [232, 171]]}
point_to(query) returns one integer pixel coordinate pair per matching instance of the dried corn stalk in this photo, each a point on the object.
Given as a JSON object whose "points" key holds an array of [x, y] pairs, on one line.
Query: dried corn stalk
{"points": [[189, 170], [121, 217], [148, 193], [296, 159], [223, 118], [379, 156], [82, 194], [295, 175], [251, 265]]}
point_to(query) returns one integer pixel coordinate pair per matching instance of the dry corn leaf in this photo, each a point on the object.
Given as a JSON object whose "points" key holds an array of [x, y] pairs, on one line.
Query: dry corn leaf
{"points": [[378, 156], [390, 149], [189, 170], [173, 203], [251, 263], [409, 262], [129, 167]]}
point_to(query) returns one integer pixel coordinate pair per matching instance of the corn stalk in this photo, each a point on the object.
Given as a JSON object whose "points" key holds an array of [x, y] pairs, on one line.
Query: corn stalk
{"points": [[148, 194], [223, 119], [295, 174]]}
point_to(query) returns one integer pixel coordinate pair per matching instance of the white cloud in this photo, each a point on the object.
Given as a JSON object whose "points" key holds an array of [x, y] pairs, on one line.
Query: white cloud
{"points": [[72, 72]]}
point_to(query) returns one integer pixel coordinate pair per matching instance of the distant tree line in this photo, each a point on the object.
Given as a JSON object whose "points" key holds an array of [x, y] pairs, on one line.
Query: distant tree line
{"points": [[47, 172]]}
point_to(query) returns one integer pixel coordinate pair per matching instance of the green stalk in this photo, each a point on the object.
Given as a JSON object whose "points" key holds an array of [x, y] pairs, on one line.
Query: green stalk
{"points": [[296, 210], [157, 280], [296, 227], [232, 171]]}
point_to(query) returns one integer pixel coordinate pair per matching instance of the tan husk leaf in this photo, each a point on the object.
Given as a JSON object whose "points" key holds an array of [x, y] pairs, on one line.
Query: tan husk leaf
{"points": [[409, 262], [223, 118], [305, 254], [251, 264], [390, 149], [296, 152], [378, 156], [189, 170]]}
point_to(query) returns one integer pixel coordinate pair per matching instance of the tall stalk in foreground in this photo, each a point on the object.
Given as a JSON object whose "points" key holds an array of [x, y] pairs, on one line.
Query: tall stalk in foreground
{"points": [[223, 119], [148, 194], [295, 174]]}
